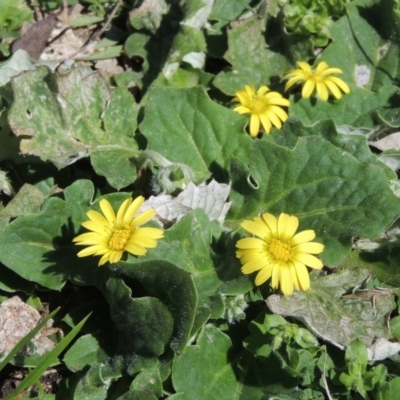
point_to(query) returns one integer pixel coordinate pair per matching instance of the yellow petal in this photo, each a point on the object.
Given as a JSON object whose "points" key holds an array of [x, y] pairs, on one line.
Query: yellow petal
{"points": [[262, 90], [256, 228], [133, 209], [333, 88], [274, 119], [294, 276], [104, 259], [292, 223], [302, 237], [309, 260], [250, 243], [279, 112], [135, 249], [293, 81], [263, 275], [251, 92], [107, 210], [154, 233], [142, 218], [89, 238], [242, 110], [321, 67], [280, 101], [141, 239], [254, 265], [254, 125], [286, 282], [115, 256], [271, 222], [342, 85], [331, 71], [243, 97], [250, 255], [89, 251], [96, 227], [322, 91], [309, 247], [266, 123], [122, 210], [308, 88], [303, 276], [304, 66], [275, 276], [97, 218], [287, 226]]}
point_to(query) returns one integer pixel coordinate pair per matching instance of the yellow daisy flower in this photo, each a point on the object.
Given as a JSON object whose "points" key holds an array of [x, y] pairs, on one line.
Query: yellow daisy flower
{"points": [[321, 79], [112, 234], [279, 253], [263, 106]]}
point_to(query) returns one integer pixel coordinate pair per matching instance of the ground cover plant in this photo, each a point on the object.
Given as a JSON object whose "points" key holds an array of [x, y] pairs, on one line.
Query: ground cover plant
{"points": [[199, 199]]}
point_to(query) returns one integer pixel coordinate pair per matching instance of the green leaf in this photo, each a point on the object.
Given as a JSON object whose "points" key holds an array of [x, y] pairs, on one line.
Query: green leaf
{"points": [[62, 115], [84, 21], [358, 108], [336, 316], [104, 54], [356, 361], [26, 241], [326, 188], [365, 44], [84, 352], [39, 246], [356, 145], [17, 63], [356, 357], [185, 126], [255, 58], [225, 377], [144, 325], [174, 287], [187, 245], [145, 383], [27, 200]]}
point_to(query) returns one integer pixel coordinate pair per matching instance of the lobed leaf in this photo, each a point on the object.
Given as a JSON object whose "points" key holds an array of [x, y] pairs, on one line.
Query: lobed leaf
{"points": [[327, 188]]}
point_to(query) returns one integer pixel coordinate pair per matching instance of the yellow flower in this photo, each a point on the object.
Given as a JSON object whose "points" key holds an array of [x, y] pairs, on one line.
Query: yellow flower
{"points": [[112, 234], [321, 79], [279, 253], [263, 108]]}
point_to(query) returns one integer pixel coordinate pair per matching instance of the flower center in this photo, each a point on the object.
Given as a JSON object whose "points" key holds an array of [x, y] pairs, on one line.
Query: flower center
{"points": [[119, 238], [281, 251], [315, 77], [257, 105]]}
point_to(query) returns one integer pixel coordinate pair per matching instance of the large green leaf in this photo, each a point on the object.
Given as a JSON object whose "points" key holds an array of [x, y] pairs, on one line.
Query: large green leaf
{"points": [[144, 325], [365, 44], [28, 199], [358, 108], [336, 314], [224, 376], [356, 145], [258, 57], [38, 246], [60, 117], [327, 188], [188, 245], [174, 287], [365, 47], [185, 126]]}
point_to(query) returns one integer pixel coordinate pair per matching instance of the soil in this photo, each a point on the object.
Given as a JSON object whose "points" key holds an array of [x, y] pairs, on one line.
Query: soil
{"points": [[12, 376]]}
